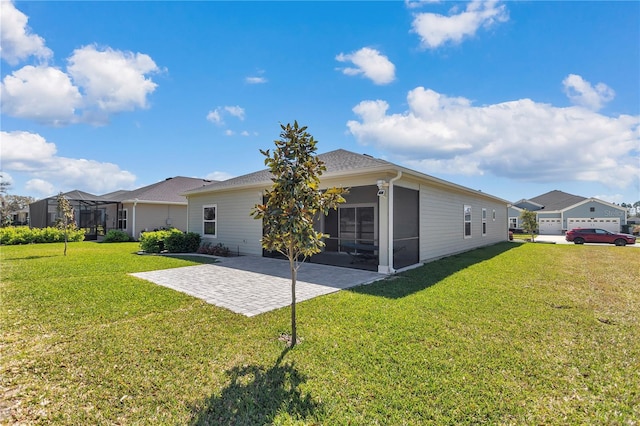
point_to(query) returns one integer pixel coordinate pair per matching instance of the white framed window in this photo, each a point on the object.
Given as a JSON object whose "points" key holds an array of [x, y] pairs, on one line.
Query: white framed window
{"points": [[122, 219], [484, 222], [467, 221], [210, 220], [513, 222]]}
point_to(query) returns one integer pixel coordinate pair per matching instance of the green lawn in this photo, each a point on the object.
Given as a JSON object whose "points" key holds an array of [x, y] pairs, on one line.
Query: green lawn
{"points": [[511, 334]]}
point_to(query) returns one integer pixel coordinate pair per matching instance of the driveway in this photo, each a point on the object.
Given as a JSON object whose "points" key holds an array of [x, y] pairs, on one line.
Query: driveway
{"points": [[251, 285]]}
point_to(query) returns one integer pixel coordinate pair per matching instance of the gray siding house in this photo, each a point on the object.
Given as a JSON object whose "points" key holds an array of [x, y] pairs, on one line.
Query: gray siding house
{"points": [[559, 211], [89, 210], [155, 206], [393, 217]]}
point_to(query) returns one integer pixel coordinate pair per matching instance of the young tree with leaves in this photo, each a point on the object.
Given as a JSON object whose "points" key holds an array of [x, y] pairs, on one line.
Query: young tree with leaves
{"points": [[5, 218], [12, 204], [293, 202], [65, 218], [529, 222]]}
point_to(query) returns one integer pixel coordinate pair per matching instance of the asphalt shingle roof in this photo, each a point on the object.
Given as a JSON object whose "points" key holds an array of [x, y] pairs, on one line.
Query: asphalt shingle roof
{"points": [[557, 200], [168, 190], [77, 195], [336, 161]]}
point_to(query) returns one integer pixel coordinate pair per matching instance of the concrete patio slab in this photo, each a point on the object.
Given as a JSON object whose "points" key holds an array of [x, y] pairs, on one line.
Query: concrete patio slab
{"points": [[251, 285]]}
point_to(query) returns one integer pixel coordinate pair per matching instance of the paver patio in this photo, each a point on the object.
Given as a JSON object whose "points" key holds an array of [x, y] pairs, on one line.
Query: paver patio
{"points": [[251, 285]]}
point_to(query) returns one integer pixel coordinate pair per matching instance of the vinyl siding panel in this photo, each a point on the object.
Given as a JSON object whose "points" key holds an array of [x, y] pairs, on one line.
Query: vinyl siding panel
{"points": [[156, 216], [236, 229], [442, 222], [149, 216]]}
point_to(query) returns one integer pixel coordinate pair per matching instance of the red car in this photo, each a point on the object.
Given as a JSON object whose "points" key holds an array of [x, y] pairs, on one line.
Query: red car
{"points": [[591, 235]]}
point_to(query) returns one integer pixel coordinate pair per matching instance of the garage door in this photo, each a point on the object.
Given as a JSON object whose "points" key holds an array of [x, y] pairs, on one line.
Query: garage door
{"points": [[609, 223], [550, 226]]}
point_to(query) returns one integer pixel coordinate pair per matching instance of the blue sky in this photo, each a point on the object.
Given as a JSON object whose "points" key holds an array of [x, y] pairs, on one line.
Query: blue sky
{"points": [[511, 98]]}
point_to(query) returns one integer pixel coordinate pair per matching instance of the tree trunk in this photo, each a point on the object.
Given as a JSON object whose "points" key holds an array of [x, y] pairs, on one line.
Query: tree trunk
{"points": [[66, 230], [294, 273]]}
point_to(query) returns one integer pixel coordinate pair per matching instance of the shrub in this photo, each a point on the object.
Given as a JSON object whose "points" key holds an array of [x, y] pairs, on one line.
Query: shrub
{"points": [[172, 240], [116, 236], [13, 235], [181, 242], [214, 250], [153, 242]]}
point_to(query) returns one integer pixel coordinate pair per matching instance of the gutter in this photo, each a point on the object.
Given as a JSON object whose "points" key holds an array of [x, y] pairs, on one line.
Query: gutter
{"points": [[133, 229], [169, 203]]}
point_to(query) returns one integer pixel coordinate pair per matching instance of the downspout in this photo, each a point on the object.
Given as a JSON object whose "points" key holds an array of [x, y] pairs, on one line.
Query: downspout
{"points": [[133, 229], [390, 251]]}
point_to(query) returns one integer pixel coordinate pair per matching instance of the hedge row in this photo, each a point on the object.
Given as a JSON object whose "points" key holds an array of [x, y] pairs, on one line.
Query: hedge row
{"points": [[12, 235], [171, 240], [116, 236]]}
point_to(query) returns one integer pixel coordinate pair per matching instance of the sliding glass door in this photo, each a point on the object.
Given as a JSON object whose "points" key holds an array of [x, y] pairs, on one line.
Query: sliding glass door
{"points": [[357, 225]]}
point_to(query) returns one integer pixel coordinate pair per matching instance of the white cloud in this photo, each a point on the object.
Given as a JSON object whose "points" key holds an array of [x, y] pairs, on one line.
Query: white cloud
{"points": [[582, 93], [216, 115], [255, 80], [6, 178], [113, 80], [217, 175], [25, 151], [235, 111], [519, 139], [98, 83], [435, 29], [42, 187], [229, 132], [612, 198], [414, 4], [30, 154], [370, 63], [43, 94], [17, 42]]}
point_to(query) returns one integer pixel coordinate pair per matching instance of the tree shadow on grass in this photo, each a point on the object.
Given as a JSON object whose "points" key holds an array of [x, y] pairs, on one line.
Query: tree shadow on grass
{"points": [[29, 257], [418, 279], [190, 257], [256, 394], [194, 258]]}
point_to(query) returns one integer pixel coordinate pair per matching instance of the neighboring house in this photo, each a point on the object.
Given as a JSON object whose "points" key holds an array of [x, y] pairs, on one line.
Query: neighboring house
{"points": [[559, 211], [393, 217], [89, 212], [155, 206], [21, 217]]}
